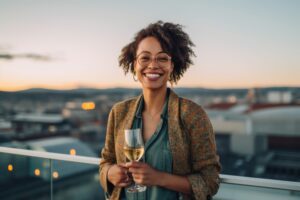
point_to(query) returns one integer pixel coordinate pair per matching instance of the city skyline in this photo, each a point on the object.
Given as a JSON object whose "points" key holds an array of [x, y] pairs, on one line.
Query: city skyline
{"points": [[63, 45]]}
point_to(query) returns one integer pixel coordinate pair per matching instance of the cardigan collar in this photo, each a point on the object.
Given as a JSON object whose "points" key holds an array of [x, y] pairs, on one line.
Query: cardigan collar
{"points": [[173, 111], [141, 103]]}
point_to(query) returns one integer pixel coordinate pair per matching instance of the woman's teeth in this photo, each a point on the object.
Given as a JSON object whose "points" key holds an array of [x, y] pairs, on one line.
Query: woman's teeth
{"points": [[152, 75]]}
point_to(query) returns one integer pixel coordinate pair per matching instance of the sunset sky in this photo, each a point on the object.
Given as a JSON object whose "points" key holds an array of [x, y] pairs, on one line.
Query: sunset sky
{"points": [[69, 44]]}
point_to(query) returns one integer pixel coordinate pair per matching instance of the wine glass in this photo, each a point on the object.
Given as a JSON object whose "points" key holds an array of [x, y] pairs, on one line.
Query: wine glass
{"points": [[134, 150]]}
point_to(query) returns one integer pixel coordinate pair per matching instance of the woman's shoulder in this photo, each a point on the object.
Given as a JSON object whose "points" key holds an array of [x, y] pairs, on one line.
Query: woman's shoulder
{"points": [[187, 105], [192, 114], [125, 104], [191, 111], [187, 108]]}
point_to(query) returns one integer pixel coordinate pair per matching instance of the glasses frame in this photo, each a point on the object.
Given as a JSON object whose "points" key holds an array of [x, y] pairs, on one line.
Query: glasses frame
{"points": [[152, 58]]}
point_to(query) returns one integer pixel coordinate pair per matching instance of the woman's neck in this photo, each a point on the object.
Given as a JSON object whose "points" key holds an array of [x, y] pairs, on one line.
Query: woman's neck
{"points": [[154, 100]]}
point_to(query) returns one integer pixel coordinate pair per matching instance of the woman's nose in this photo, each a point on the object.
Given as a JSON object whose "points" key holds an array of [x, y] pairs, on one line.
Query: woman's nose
{"points": [[153, 64]]}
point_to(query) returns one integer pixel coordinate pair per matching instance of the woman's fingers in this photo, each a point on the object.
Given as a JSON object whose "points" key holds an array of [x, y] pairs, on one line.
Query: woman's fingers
{"points": [[140, 179], [123, 184], [118, 175], [124, 165], [134, 164], [136, 170], [143, 173], [124, 177], [125, 181], [137, 167]]}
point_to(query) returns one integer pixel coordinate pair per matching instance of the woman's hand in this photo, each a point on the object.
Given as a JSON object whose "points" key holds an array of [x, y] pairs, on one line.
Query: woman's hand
{"points": [[143, 174], [118, 175]]}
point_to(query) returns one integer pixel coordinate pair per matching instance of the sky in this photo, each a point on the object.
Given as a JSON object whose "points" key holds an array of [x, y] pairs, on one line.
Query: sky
{"points": [[64, 44]]}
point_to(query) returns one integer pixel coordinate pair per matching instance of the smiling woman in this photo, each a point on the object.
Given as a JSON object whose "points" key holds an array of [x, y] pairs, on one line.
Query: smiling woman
{"points": [[152, 73], [177, 46], [180, 159]]}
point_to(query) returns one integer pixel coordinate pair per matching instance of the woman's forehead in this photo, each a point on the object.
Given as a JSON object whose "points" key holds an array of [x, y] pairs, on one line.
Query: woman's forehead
{"points": [[149, 44]]}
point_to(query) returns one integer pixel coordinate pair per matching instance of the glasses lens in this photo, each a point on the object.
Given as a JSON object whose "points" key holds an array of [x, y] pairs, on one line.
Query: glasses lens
{"points": [[144, 59], [162, 58]]}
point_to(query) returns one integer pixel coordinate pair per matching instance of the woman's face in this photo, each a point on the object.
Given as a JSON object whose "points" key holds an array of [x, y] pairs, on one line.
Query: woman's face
{"points": [[152, 65]]}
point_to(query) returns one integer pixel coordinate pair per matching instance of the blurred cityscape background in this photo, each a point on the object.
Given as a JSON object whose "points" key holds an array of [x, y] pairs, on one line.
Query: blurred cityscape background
{"points": [[59, 78], [257, 132]]}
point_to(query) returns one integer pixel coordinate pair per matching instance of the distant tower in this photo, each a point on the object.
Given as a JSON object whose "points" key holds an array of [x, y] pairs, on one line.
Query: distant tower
{"points": [[252, 96]]}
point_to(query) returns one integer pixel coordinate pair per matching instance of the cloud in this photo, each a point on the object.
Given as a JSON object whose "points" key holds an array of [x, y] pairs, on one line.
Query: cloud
{"points": [[32, 56], [6, 56]]}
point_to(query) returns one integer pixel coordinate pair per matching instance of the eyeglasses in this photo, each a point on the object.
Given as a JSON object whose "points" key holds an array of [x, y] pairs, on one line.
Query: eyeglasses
{"points": [[162, 59]]}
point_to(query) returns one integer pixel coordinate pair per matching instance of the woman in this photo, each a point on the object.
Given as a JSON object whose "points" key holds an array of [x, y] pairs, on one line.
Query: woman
{"points": [[180, 159]]}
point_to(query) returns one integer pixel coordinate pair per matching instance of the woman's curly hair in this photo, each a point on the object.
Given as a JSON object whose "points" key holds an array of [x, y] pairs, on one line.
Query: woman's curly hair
{"points": [[173, 41]]}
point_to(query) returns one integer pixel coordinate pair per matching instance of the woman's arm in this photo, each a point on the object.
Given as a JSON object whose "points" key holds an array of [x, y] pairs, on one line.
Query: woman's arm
{"points": [[111, 174], [175, 182], [205, 164], [108, 157]]}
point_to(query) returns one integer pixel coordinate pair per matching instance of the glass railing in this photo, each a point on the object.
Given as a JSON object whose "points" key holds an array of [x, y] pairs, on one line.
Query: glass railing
{"points": [[38, 175], [248, 188], [28, 174], [24, 177]]}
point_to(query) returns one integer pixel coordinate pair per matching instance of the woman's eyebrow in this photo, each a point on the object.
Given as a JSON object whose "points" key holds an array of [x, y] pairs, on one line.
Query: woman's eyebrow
{"points": [[162, 51]]}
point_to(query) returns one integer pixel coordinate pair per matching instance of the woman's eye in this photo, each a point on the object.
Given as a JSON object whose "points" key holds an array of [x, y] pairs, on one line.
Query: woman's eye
{"points": [[162, 59], [145, 59]]}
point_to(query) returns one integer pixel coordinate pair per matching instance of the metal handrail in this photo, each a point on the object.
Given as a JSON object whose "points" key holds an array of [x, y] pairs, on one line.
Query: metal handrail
{"points": [[229, 179], [260, 182], [49, 155]]}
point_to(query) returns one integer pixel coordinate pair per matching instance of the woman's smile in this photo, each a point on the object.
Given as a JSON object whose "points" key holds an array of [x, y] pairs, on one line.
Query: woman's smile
{"points": [[152, 76]]}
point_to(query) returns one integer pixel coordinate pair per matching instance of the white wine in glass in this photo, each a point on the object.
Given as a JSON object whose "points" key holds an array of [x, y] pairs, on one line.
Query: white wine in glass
{"points": [[134, 150], [134, 154]]}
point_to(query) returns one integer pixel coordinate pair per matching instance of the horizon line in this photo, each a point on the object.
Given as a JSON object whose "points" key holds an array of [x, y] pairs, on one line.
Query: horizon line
{"points": [[134, 87]]}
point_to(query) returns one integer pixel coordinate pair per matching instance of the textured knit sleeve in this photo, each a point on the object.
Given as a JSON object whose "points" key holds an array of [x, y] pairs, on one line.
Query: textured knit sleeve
{"points": [[108, 156], [204, 178]]}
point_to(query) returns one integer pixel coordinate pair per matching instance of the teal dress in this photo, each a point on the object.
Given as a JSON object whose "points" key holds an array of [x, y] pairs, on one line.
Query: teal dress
{"points": [[157, 155]]}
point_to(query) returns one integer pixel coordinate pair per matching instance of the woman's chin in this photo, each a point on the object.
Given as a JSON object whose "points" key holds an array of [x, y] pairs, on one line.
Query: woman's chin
{"points": [[153, 86]]}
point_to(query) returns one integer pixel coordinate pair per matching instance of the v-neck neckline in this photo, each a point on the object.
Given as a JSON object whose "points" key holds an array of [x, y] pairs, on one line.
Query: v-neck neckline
{"points": [[163, 118]]}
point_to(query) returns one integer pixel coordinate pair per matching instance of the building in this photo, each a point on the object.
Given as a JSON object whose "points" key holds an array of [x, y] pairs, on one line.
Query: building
{"points": [[261, 136], [28, 124]]}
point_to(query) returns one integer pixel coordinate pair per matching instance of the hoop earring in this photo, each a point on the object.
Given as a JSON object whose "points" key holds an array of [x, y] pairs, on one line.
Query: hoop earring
{"points": [[134, 77], [171, 82]]}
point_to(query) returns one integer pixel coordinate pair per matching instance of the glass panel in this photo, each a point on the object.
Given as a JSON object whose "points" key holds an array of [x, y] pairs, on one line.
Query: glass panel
{"points": [[76, 181], [23, 177], [64, 145], [237, 192]]}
